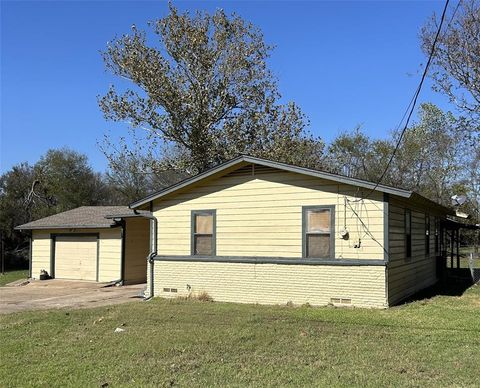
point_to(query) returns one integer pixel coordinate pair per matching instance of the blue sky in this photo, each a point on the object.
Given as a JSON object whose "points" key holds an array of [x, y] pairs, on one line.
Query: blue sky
{"points": [[343, 63]]}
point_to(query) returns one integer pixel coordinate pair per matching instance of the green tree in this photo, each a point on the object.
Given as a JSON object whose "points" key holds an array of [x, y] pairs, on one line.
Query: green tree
{"points": [[456, 74], [354, 154], [428, 159], [15, 209], [456, 64], [130, 177], [204, 90], [65, 179], [61, 180]]}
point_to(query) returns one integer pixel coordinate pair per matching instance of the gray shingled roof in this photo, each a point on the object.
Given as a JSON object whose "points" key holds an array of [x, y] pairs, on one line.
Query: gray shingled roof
{"points": [[81, 217]]}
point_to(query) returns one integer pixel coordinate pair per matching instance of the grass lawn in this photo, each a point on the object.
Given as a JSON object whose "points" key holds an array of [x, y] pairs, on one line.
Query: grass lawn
{"points": [[432, 342], [11, 276]]}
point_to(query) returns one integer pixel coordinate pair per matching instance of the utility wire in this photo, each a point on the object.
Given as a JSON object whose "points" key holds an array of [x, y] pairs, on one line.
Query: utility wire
{"points": [[411, 106]]}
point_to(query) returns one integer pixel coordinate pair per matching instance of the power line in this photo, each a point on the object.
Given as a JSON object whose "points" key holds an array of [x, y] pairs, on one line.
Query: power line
{"points": [[411, 106]]}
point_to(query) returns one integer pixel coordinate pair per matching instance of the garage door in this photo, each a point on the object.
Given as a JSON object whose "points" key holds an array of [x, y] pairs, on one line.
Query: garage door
{"points": [[76, 257]]}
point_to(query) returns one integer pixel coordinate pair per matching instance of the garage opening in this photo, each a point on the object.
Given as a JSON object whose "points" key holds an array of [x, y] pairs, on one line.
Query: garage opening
{"points": [[75, 257]]}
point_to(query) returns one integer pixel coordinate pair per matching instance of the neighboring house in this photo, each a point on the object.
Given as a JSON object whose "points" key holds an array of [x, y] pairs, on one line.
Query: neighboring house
{"points": [[100, 243], [257, 231]]}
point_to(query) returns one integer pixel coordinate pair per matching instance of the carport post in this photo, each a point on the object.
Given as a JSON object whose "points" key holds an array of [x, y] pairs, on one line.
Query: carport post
{"points": [[458, 248], [452, 243]]}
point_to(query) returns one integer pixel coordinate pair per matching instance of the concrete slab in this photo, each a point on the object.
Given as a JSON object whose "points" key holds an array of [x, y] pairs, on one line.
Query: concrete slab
{"points": [[19, 282], [57, 293]]}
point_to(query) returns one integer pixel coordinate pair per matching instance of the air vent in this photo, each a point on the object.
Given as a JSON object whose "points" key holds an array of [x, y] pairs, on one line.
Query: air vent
{"points": [[340, 301], [167, 289]]}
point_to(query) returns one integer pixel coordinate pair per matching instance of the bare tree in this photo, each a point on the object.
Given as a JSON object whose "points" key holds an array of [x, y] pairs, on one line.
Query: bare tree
{"points": [[204, 89]]}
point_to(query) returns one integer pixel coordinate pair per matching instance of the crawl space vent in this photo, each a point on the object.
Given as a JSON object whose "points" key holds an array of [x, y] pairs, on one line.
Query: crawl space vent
{"points": [[166, 289], [340, 301]]}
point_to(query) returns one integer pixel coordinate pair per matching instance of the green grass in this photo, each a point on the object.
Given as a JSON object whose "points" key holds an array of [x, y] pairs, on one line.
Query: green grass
{"points": [[11, 276], [432, 342], [465, 252]]}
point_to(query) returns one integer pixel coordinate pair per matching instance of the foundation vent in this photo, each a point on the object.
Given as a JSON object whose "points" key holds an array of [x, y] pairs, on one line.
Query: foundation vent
{"points": [[345, 301], [167, 289]]}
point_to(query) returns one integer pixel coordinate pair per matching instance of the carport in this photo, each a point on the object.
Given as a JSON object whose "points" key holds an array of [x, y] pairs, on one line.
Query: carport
{"points": [[91, 243]]}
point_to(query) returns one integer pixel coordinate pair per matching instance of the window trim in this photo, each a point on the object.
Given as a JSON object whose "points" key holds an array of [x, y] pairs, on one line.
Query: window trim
{"points": [[332, 230], [408, 247], [194, 213]]}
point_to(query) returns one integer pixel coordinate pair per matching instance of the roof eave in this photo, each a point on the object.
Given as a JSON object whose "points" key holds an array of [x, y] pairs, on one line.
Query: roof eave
{"points": [[444, 209], [26, 227], [330, 176], [187, 182], [268, 163], [127, 215]]}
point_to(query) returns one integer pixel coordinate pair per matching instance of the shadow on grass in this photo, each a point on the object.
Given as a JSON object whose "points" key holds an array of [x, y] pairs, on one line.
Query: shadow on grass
{"points": [[448, 287]]}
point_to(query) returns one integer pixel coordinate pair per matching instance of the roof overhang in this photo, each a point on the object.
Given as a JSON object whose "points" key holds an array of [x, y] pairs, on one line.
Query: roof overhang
{"points": [[243, 160], [134, 214], [44, 227], [457, 224], [432, 204]]}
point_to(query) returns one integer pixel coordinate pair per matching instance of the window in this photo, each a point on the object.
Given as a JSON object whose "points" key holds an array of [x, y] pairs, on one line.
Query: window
{"points": [[318, 225], [203, 232], [408, 233], [427, 234]]}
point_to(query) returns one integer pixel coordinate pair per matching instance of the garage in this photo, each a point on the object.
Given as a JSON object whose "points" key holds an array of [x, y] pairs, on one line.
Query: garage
{"points": [[76, 257], [91, 243]]}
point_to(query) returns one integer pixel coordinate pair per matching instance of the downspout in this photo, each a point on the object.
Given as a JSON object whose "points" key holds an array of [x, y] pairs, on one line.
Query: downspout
{"points": [[153, 247]]}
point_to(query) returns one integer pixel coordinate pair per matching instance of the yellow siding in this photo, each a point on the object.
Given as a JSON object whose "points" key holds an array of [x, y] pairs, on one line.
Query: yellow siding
{"points": [[136, 249], [110, 255], [408, 276], [40, 252], [260, 214], [109, 251], [364, 286]]}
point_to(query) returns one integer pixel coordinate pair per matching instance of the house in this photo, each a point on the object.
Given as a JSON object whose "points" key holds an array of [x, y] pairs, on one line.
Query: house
{"points": [[256, 231], [99, 243]]}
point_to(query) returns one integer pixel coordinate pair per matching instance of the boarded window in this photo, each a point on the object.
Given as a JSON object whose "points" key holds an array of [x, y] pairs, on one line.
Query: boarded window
{"points": [[203, 233], [408, 233], [204, 223], [319, 221], [318, 232]]}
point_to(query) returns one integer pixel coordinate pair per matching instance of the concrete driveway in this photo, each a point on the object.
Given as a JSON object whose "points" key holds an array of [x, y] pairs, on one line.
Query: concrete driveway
{"points": [[56, 293]]}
